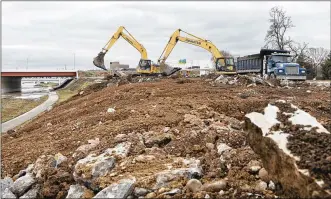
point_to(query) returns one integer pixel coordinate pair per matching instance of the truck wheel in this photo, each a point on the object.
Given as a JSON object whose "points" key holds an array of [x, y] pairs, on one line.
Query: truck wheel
{"points": [[272, 76]]}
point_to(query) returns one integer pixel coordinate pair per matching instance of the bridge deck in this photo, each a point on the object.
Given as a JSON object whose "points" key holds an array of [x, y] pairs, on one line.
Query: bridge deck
{"points": [[40, 74]]}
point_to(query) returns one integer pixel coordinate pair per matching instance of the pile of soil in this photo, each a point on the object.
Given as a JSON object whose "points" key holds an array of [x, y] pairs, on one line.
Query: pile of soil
{"points": [[213, 114]]}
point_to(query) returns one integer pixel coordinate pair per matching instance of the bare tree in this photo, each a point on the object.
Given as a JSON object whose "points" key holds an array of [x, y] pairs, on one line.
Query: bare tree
{"points": [[225, 53], [297, 49], [280, 24], [316, 56]]}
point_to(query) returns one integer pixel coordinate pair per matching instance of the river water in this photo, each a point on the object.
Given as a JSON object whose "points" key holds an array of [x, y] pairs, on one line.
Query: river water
{"points": [[29, 90]]}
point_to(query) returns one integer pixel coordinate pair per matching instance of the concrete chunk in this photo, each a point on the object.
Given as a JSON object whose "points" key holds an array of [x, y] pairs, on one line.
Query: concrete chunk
{"points": [[117, 190]]}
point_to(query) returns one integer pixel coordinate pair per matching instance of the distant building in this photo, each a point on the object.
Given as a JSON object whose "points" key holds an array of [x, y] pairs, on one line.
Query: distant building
{"points": [[117, 65]]}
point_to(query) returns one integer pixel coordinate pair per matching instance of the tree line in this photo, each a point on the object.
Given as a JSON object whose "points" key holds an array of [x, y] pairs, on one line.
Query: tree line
{"points": [[316, 60]]}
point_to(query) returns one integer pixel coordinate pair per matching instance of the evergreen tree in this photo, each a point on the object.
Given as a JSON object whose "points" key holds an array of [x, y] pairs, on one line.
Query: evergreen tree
{"points": [[326, 68]]}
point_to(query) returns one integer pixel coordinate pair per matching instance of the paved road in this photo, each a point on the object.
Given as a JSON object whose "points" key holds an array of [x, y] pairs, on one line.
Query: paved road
{"points": [[52, 98]]}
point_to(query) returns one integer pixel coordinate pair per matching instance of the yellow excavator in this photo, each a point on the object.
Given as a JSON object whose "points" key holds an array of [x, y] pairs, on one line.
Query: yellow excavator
{"points": [[145, 66], [223, 64]]}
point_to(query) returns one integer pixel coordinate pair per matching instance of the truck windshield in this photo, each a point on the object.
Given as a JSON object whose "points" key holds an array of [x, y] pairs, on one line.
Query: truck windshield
{"points": [[282, 59]]}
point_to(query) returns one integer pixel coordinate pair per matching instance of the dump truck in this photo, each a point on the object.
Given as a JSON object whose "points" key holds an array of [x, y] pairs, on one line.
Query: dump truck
{"points": [[273, 63]]}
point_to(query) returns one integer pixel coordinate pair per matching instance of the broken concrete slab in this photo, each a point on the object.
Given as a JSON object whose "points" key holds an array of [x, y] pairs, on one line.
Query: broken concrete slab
{"points": [[92, 167], [22, 184], [75, 191], [120, 150], [193, 170], [32, 193], [6, 193], [5, 183], [122, 189]]}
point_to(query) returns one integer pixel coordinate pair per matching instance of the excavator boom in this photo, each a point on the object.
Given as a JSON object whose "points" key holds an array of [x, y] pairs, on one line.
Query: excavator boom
{"points": [[98, 61], [221, 63], [145, 65]]}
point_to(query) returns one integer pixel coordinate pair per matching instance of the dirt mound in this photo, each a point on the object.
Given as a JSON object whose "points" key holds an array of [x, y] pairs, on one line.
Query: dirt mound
{"points": [[166, 118]]}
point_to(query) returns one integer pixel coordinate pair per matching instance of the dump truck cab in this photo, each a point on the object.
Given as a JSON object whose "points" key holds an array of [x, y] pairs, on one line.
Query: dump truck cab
{"points": [[281, 66]]}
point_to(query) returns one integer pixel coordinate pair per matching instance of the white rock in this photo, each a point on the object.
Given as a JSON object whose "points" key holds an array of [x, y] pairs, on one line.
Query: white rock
{"points": [[261, 186], [193, 185], [141, 191], [5, 183], [214, 186], [111, 110], [221, 193], [92, 167], [308, 91], [117, 190], [210, 146], [144, 158], [75, 191], [32, 193], [166, 129], [29, 169], [172, 192], [255, 169], [207, 196], [221, 147], [121, 149], [59, 159], [22, 184], [271, 185], [6, 193]]}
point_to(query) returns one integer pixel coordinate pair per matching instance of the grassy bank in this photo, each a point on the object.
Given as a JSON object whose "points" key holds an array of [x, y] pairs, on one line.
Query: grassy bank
{"points": [[73, 89], [48, 84], [11, 108]]}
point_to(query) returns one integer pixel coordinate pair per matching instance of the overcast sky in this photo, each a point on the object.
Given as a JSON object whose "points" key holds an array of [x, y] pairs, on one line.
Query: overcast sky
{"points": [[49, 33]]}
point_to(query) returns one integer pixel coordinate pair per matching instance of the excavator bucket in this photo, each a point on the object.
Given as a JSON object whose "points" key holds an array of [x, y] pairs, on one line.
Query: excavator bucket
{"points": [[168, 70], [99, 62]]}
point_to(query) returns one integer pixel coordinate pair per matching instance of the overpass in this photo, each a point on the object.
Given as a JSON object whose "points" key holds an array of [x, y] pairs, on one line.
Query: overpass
{"points": [[11, 80]]}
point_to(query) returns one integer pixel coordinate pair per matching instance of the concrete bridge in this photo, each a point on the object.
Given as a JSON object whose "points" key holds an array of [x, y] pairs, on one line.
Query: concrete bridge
{"points": [[11, 80]]}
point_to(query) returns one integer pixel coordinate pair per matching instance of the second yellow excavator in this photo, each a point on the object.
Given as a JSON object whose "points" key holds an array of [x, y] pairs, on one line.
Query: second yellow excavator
{"points": [[223, 64], [145, 66]]}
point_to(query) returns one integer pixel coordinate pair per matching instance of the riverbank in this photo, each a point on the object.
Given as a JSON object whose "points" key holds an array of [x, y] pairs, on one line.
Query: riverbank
{"points": [[13, 107]]}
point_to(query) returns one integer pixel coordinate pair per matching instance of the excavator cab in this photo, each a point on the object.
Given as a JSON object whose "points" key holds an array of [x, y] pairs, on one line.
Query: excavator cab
{"points": [[145, 64], [225, 64]]}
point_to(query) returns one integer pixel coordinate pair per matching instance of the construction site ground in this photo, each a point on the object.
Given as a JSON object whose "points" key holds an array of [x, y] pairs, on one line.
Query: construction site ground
{"points": [[151, 107]]}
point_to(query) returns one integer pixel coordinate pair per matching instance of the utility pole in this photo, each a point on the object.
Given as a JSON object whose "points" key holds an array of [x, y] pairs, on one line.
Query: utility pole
{"points": [[74, 61], [65, 66], [27, 63]]}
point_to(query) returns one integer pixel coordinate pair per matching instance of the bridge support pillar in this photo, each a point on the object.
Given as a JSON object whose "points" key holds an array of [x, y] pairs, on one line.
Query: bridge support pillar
{"points": [[10, 84]]}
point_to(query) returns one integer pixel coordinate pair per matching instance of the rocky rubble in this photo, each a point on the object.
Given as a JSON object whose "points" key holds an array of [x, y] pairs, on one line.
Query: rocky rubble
{"points": [[208, 155], [247, 80], [185, 149]]}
